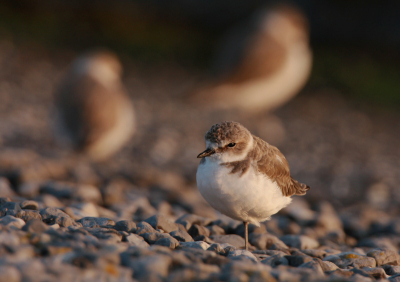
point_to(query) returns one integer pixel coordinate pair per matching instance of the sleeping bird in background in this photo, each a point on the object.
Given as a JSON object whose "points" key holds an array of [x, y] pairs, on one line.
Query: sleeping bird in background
{"points": [[93, 111], [262, 64]]}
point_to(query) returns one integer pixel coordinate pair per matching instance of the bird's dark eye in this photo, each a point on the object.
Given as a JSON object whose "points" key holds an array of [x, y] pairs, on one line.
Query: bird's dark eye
{"points": [[231, 145]]}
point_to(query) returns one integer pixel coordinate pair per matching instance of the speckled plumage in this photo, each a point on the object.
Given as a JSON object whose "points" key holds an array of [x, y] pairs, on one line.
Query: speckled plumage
{"points": [[248, 180]]}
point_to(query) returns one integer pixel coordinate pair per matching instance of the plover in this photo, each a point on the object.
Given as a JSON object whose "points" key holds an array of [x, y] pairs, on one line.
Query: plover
{"points": [[93, 111], [262, 64], [244, 177]]}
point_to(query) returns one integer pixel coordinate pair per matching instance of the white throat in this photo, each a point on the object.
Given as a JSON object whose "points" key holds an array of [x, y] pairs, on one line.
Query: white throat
{"points": [[100, 71]]}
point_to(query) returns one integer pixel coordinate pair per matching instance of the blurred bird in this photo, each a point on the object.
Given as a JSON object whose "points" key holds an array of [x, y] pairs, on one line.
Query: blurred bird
{"points": [[265, 62], [244, 177], [93, 111]]}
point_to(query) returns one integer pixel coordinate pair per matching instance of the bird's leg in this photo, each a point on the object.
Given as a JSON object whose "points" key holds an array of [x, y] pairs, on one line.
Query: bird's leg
{"points": [[246, 235]]}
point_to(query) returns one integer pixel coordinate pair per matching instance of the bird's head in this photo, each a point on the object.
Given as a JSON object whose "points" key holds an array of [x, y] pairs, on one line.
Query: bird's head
{"points": [[228, 140]]}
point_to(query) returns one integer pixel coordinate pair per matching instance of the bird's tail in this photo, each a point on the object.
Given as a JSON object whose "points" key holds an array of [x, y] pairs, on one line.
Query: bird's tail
{"points": [[301, 188]]}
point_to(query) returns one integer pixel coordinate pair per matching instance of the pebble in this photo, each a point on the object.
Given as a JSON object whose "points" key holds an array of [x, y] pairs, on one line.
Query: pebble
{"points": [[232, 239], [162, 222], [144, 227], [198, 230], [181, 235], [9, 220], [125, 225], [391, 269], [168, 242], [384, 256], [264, 241], [299, 241], [30, 205], [94, 222], [242, 254], [195, 245], [54, 215], [275, 260], [35, 226], [346, 259], [9, 273], [9, 208]]}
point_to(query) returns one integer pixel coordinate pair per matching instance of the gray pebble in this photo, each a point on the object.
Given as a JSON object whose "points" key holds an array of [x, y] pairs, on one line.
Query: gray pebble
{"points": [[125, 225], [216, 230], [106, 234], [30, 205], [297, 258], [35, 226], [384, 256], [54, 215], [198, 230], [9, 220], [162, 222], [264, 241], [95, 222], [391, 269], [136, 240], [9, 208], [187, 220], [27, 215], [144, 227], [346, 259], [181, 235], [9, 273], [376, 272], [275, 260], [168, 242], [150, 267], [153, 237], [242, 253], [233, 239], [299, 241], [195, 245]]}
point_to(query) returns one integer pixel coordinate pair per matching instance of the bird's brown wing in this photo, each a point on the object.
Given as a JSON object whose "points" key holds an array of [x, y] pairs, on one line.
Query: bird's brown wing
{"points": [[271, 162], [88, 109]]}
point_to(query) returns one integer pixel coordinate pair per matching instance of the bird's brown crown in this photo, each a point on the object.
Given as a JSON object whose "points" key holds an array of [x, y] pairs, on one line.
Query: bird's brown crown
{"points": [[227, 131]]}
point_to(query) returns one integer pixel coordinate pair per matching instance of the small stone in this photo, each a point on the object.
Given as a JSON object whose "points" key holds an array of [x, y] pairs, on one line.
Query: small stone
{"points": [[216, 230], [181, 235], [215, 248], [395, 278], [9, 273], [9, 208], [391, 269], [329, 266], [299, 241], [298, 258], [27, 215], [198, 230], [9, 220], [264, 241], [35, 226], [144, 227], [107, 234], [153, 237], [384, 256], [315, 265], [346, 259], [113, 192], [187, 220], [169, 242], [161, 222], [195, 245], [85, 210], [380, 242], [136, 240], [242, 254], [95, 222], [54, 215], [233, 239], [376, 272], [275, 260], [30, 205], [125, 225], [315, 253], [149, 268], [49, 201]]}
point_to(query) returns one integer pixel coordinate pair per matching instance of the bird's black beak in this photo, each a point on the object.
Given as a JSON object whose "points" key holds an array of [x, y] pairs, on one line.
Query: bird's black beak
{"points": [[206, 153]]}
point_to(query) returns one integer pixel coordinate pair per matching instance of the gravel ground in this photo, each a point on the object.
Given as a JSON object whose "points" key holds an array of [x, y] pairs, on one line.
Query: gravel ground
{"points": [[140, 217]]}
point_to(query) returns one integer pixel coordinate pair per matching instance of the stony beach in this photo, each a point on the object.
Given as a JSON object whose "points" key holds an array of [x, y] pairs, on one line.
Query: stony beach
{"points": [[139, 216]]}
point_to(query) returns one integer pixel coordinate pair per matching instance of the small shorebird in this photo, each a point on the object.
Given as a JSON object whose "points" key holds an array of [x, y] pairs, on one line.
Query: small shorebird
{"points": [[93, 111], [263, 63], [244, 177]]}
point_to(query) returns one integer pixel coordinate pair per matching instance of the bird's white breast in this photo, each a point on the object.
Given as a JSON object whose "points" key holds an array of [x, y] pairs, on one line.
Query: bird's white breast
{"points": [[251, 197]]}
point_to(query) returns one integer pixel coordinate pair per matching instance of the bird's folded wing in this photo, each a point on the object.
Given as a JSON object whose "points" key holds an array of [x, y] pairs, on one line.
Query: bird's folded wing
{"points": [[271, 162]]}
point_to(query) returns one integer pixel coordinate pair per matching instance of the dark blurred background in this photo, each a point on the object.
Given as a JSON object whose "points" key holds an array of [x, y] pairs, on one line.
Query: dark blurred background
{"points": [[340, 134]]}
